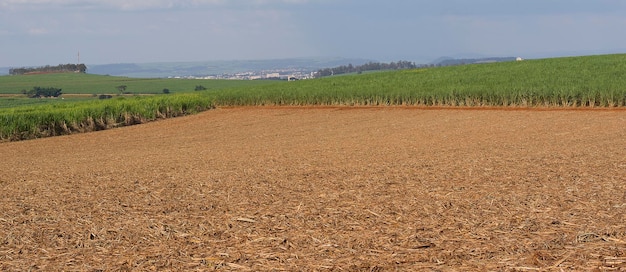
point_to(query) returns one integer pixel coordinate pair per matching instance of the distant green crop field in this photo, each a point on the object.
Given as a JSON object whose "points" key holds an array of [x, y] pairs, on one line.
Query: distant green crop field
{"points": [[590, 81], [72, 83], [17, 101]]}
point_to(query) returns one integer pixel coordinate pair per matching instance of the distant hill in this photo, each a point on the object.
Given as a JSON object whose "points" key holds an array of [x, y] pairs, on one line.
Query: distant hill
{"points": [[205, 68], [447, 61], [210, 68]]}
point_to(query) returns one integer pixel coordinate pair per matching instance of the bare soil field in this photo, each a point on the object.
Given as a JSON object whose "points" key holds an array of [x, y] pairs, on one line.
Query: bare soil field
{"points": [[322, 189]]}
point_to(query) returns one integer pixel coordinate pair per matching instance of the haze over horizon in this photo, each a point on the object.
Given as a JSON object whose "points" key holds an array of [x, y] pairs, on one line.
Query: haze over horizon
{"points": [[50, 32]]}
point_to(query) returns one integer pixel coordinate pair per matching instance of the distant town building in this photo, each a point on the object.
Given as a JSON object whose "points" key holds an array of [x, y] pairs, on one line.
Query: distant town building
{"points": [[519, 59]]}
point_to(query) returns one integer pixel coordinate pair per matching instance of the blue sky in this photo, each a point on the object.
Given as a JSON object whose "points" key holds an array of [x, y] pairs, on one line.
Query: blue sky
{"points": [[41, 32]]}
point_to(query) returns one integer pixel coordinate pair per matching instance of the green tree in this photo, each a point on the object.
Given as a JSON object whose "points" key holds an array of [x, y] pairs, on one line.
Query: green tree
{"points": [[121, 88], [38, 92]]}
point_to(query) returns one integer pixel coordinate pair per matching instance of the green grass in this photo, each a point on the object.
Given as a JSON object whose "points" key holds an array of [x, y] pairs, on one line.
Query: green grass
{"points": [[35, 121], [79, 109], [72, 83], [590, 81]]}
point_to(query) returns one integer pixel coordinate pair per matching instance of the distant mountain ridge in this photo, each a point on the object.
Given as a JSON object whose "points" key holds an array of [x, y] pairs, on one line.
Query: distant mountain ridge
{"points": [[447, 61], [221, 67], [206, 68]]}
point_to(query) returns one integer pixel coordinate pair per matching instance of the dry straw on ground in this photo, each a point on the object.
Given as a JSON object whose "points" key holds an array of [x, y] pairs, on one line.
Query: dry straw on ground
{"points": [[322, 189]]}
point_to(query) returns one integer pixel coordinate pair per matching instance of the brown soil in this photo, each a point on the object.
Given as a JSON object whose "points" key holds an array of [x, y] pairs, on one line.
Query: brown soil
{"points": [[309, 189]]}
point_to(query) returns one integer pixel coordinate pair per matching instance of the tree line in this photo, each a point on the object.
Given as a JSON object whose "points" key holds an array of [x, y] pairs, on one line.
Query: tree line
{"points": [[39, 92], [370, 66], [61, 68]]}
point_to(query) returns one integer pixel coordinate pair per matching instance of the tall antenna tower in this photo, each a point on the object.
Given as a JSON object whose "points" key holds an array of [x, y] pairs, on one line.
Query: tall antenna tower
{"points": [[78, 58]]}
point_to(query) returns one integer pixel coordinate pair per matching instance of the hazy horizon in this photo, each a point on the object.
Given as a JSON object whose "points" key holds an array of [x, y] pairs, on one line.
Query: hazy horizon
{"points": [[50, 32]]}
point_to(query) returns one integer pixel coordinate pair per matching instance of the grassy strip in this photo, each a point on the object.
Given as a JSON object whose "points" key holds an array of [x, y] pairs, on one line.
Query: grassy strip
{"points": [[29, 122]]}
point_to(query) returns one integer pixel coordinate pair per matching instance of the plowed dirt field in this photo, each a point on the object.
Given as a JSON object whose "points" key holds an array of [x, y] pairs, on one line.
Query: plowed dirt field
{"points": [[322, 189]]}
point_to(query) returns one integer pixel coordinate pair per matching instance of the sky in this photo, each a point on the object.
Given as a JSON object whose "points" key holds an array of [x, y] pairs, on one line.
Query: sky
{"points": [[51, 32]]}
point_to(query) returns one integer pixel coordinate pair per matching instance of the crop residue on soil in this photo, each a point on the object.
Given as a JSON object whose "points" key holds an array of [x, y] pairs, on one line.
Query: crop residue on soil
{"points": [[322, 189]]}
